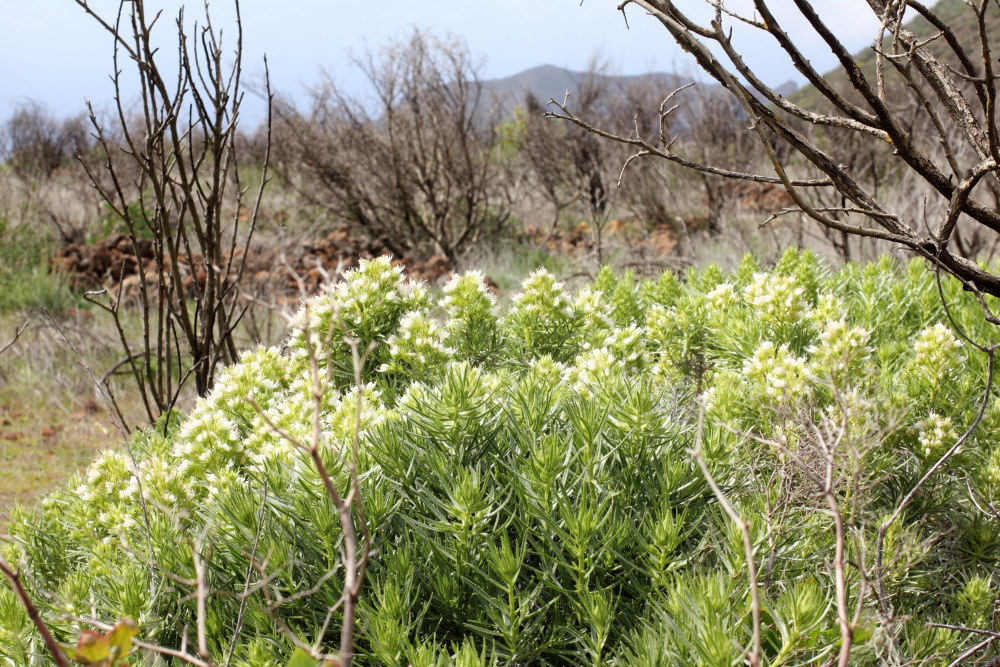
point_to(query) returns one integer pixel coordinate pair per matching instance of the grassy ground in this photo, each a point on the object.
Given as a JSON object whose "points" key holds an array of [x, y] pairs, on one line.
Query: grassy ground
{"points": [[40, 444], [52, 421]]}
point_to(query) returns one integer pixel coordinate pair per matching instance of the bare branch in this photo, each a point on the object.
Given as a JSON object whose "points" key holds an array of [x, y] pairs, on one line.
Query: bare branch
{"points": [[14, 579], [20, 329]]}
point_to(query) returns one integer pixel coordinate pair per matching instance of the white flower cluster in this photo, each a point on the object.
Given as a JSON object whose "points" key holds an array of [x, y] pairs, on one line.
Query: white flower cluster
{"points": [[340, 419], [468, 303], [368, 303], [542, 294], [107, 477], [726, 390], [257, 375], [659, 322], [163, 481], [776, 298], [842, 351], [545, 372], [628, 345], [293, 414], [591, 370], [723, 297], [937, 349], [418, 346], [596, 324], [829, 308], [374, 289], [935, 434], [207, 439], [110, 492], [777, 373], [542, 316]]}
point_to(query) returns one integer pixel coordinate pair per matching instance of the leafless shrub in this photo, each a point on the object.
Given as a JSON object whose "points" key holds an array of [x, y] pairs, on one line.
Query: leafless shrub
{"points": [[415, 164], [952, 161], [572, 167], [35, 143], [181, 193]]}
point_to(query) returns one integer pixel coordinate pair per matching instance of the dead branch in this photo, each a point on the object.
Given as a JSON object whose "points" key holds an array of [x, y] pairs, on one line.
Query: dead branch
{"points": [[20, 329], [964, 133], [14, 579]]}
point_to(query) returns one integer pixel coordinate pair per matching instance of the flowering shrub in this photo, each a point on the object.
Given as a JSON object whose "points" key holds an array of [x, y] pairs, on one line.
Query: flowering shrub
{"points": [[543, 319], [842, 352], [778, 299], [418, 347], [528, 482]]}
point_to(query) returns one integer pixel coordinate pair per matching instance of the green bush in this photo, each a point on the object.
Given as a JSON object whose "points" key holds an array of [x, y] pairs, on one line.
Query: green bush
{"points": [[529, 482], [26, 279]]}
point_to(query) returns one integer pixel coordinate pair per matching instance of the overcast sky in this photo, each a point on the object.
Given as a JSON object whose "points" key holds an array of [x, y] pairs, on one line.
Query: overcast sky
{"points": [[51, 52]]}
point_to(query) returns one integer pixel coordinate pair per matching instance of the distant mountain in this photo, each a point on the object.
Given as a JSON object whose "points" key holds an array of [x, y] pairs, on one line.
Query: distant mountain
{"points": [[547, 82], [787, 88]]}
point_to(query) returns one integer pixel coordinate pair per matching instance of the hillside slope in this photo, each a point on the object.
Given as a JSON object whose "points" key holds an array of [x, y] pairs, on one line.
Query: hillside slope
{"points": [[954, 13]]}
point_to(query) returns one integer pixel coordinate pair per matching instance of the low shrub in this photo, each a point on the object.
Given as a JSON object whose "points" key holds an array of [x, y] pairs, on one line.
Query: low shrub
{"points": [[529, 484], [27, 281]]}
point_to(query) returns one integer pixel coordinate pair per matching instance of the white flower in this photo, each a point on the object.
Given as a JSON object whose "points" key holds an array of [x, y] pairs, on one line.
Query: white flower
{"points": [[591, 369], [937, 348], [841, 350], [722, 297], [934, 433], [778, 299], [777, 373], [418, 346]]}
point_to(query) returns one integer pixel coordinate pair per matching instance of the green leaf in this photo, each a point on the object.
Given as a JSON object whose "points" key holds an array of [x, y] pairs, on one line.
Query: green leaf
{"points": [[301, 659]]}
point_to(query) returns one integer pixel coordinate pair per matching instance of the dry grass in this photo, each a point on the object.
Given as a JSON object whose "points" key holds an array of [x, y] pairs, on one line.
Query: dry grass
{"points": [[52, 420], [40, 443]]}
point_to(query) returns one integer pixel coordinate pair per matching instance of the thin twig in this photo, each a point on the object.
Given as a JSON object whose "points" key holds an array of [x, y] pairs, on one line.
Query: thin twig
{"points": [[14, 579], [17, 334]]}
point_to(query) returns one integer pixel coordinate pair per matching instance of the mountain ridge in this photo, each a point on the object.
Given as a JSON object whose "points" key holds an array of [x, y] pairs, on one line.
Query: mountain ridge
{"points": [[548, 81]]}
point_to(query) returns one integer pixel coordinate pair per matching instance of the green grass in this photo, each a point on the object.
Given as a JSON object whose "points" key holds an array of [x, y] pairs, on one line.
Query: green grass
{"points": [[27, 281]]}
